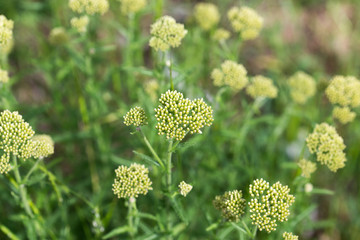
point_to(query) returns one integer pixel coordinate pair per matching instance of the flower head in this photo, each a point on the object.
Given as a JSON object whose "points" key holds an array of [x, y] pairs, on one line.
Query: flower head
{"points": [[207, 15], [166, 33], [231, 204], [289, 236], [230, 74], [307, 167], [6, 30], [5, 49], [4, 76], [136, 116], [132, 6], [15, 138], [269, 204], [131, 181], [80, 24], [43, 146], [178, 116], [89, 6], [246, 21], [261, 86], [328, 146], [221, 34], [344, 91], [58, 36], [302, 87], [184, 188], [343, 114]]}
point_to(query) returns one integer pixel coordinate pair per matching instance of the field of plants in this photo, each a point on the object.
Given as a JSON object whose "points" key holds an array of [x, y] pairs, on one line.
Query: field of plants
{"points": [[180, 119]]}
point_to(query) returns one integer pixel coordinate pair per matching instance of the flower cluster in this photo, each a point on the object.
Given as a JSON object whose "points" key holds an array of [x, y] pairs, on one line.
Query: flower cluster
{"points": [[207, 15], [43, 146], [89, 6], [328, 146], [307, 167], [58, 36], [231, 204], [132, 6], [80, 23], [269, 204], [184, 188], [231, 74], [289, 236], [15, 138], [344, 91], [6, 30], [178, 116], [166, 33], [343, 114], [136, 116], [246, 21], [4, 76], [302, 87], [262, 87], [131, 181], [221, 34], [151, 88]]}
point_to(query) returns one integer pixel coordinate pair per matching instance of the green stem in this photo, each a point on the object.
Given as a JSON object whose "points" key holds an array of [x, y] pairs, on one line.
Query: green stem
{"points": [[22, 189], [32, 169], [170, 70], [247, 229], [168, 184], [132, 212], [157, 158]]}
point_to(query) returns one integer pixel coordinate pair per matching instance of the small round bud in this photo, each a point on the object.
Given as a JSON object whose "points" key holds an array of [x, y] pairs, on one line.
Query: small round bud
{"points": [[231, 74], [231, 204], [302, 87], [136, 116], [184, 188], [308, 187], [207, 15]]}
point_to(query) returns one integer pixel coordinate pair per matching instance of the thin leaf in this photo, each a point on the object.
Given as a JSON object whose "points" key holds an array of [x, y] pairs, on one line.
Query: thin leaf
{"points": [[8, 233], [146, 158], [116, 231]]}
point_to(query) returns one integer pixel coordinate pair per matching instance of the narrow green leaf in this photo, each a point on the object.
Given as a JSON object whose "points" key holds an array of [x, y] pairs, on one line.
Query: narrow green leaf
{"points": [[146, 158], [116, 231], [8, 233]]}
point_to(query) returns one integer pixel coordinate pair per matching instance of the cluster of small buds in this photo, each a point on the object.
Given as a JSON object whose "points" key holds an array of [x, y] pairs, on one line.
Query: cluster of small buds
{"points": [[89, 6], [221, 34], [269, 204], [178, 116], [207, 15], [6, 30], [15, 138], [344, 91], [307, 167], [246, 21], [289, 236], [132, 6], [58, 36], [328, 146], [261, 86], [43, 146], [5, 49], [136, 116], [80, 23], [343, 114], [131, 181], [166, 33], [231, 74], [302, 87], [231, 204], [184, 188], [4, 76]]}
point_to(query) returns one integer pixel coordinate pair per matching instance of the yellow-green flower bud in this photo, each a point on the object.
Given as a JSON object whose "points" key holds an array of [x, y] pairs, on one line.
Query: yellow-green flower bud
{"points": [[231, 74], [6, 30], [289, 236], [89, 6], [231, 204], [307, 167], [58, 36], [269, 204], [328, 146], [5, 49], [221, 34], [344, 91], [178, 116], [4, 76], [132, 6], [136, 116], [15, 138], [207, 15], [302, 87], [246, 21], [80, 24], [166, 33], [131, 181], [343, 114], [261, 86], [184, 188], [43, 146]]}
